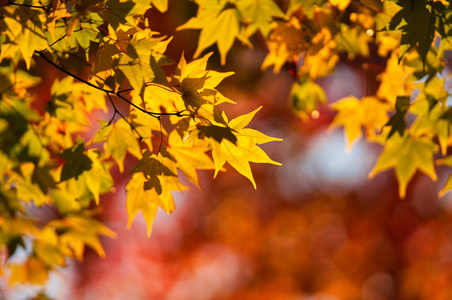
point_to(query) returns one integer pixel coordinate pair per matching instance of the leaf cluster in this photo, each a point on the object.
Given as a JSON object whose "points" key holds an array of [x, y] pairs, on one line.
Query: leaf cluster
{"points": [[109, 54]]}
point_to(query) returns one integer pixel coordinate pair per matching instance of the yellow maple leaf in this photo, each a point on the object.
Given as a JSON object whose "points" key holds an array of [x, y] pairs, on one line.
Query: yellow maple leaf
{"points": [[81, 229], [321, 57], [103, 65], [189, 157], [238, 145], [139, 199], [286, 42], [406, 155], [387, 41], [33, 271], [213, 20], [121, 140], [46, 248], [354, 115], [395, 80], [59, 11]]}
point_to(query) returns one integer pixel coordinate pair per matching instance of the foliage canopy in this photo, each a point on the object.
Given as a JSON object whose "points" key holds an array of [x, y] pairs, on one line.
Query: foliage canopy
{"points": [[47, 160]]}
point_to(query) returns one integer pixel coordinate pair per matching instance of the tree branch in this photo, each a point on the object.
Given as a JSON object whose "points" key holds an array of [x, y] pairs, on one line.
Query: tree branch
{"points": [[44, 7], [117, 94]]}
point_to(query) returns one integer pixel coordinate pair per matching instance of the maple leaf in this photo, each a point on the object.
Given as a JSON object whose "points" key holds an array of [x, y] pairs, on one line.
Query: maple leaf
{"points": [[354, 115], [242, 149], [214, 17], [104, 65], [117, 12], [406, 155], [154, 177], [259, 14], [139, 199], [27, 187], [397, 121], [189, 157], [59, 11], [67, 101], [120, 140], [196, 87], [90, 183], [140, 65], [79, 230], [76, 161], [415, 33], [286, 42], [160, 172], [46, 247], [395, 80], [321, 56], [24, 30], [33, 271], [354, 41], [433, 118]]}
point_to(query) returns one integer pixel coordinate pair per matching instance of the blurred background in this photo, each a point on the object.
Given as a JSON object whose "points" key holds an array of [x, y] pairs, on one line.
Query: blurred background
{"points": [[315, 228]]}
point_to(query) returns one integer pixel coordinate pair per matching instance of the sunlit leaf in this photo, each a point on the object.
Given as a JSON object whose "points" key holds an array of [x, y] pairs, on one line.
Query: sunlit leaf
{"points": [[139, 199], [80, 230], [406, 155], [121, 140]]}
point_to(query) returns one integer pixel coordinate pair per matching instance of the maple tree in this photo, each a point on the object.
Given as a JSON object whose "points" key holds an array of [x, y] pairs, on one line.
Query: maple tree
{"points": [[47, 160]]}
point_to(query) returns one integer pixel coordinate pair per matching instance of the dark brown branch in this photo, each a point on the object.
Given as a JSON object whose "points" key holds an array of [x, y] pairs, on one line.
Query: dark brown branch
{"points": [[44, 7], [117, 94]]}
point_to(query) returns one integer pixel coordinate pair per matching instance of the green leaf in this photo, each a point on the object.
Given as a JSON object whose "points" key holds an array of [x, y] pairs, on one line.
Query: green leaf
{"points": [[76, 161], [417, 23], [117, 12], [397, 121]]}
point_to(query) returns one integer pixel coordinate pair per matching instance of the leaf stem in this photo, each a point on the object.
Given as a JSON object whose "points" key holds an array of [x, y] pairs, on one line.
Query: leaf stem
{"points": [[122, 116]]}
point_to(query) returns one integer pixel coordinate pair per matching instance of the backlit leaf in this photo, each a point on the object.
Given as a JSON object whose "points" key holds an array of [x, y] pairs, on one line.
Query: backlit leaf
{"points": [[121, 140], [242, 150], [406, 155]]}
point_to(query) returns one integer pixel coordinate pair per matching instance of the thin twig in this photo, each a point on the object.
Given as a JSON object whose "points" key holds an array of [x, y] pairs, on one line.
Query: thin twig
{"points": [[122, 116], [117, 94], [44, 7]]}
